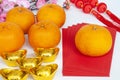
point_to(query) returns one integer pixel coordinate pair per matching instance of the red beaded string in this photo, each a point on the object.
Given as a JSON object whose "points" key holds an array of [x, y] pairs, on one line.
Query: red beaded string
{"points": [[101, 7], [105, 21], [88, 6], [79, 3], [113, 16]]}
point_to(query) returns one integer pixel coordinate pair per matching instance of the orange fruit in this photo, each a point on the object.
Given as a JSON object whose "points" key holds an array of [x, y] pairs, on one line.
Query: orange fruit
{"points": [[11, 37], [93, 40], [21, 16], [44, 34], [52, 12]]}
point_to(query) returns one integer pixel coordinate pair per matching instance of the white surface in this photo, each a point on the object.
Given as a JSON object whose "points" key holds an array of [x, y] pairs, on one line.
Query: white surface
{"points": [[75, 16]]}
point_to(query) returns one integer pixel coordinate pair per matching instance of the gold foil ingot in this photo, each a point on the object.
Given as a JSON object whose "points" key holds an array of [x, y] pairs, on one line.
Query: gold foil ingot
{"points": [[44, 72], [10, 58], [13, 74], [48, 55], [28, 63]]}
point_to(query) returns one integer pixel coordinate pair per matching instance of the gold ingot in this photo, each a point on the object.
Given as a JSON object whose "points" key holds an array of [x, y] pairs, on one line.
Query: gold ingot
{"points": [[13, 74], [10, 58], [48, 55], [44, 72], [28, 63]]}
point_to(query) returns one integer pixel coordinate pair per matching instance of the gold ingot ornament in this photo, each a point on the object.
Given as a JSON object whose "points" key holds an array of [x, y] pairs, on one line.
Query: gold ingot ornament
{"points": [[28, 63], [10, 58], [13, 74], [48, 55], [44, 72]]}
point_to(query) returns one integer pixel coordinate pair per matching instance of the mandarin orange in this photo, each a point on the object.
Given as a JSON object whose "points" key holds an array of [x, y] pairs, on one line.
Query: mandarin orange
{"points": [[52, 12], [93, 40], [21, 16], [11, 37], [44, 34]]}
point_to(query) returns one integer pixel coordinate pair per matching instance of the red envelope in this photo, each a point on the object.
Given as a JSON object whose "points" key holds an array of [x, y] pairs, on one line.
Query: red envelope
{"points": [[76, 64]]}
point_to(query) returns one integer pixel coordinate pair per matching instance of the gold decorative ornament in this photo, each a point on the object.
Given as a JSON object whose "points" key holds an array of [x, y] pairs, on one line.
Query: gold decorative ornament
{"points": [[10, 58], [13, 74], [28, 63], [44, 72], [48, 55]]}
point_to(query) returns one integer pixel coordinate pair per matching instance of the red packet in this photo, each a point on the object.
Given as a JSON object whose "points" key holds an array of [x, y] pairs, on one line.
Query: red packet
{"points": [[65, 43], [76, 64]]}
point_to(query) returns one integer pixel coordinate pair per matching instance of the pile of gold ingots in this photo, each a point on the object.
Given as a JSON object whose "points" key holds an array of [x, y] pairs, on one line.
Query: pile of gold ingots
{"points": [[30, 65]]}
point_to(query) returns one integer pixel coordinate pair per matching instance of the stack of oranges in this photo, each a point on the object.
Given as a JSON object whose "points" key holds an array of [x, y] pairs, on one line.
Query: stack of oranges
{"points": [[43, 30]]}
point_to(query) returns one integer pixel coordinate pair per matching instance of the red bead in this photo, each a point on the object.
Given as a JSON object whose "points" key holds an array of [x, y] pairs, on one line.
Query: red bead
{"points": [[87, 8], [102, 7], [86, 1], [79, 4], [93, 3]]}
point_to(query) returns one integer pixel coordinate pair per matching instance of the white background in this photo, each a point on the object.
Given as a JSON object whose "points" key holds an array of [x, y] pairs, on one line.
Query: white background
{"points": [[74, 16]]}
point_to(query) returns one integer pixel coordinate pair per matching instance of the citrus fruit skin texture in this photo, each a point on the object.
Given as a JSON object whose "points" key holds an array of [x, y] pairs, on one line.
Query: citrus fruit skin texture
{"points": [[93, 40], [52, 12], [44, 34], [11, 37], [21, 16]]}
